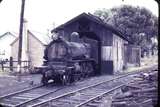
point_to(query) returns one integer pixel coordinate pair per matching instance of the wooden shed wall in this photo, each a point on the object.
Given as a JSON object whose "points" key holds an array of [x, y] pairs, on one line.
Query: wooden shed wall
{"points": [[118, 53], [133, 54]]}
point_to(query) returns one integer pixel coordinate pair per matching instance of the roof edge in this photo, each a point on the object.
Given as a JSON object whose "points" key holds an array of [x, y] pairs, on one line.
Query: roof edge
{"points": [[6, 34], [96, 20]]}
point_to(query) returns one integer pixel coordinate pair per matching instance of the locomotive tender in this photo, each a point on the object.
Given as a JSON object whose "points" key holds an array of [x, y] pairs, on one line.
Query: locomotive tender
{"points": [[66, 61]]}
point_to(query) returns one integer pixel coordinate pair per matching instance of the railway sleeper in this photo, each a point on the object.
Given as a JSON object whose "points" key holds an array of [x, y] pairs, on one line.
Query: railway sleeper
{"points": [[9, 103], [30, 94], [89, 94], [67, 101], [6, 105], [79, 98], [14, 100], [21, 98], [92, 105], [97, 101], [59, 105]]}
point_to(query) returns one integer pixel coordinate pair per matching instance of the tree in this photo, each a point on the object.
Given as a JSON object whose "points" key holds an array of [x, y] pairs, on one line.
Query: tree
{"points": [[132, 22]]}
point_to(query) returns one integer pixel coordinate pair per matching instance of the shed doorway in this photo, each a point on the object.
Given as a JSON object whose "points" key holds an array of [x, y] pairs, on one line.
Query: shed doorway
{"points": [[95, 42]]}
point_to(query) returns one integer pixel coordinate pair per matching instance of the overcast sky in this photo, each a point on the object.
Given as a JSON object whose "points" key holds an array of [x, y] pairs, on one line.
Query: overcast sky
{"points": [[41, 14]]}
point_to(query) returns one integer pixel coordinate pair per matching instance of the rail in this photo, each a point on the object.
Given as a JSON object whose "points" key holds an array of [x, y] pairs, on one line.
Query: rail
{"points": [[27, 91], [84, 88]]}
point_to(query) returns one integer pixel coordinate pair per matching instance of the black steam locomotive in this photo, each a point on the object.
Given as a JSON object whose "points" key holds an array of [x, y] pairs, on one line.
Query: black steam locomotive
{"points": [[65, 61]]}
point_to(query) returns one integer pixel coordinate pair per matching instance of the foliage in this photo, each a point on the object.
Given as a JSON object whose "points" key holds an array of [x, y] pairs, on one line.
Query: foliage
{"points": [[132, 21], [138, 24]]}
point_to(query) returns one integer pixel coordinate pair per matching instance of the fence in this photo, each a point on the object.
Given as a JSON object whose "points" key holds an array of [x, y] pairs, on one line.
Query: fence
{"points": [[10, 65], [133, 55]]}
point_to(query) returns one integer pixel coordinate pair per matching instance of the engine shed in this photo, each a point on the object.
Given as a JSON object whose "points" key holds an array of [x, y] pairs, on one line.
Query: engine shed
{"points": [[108, 44]]}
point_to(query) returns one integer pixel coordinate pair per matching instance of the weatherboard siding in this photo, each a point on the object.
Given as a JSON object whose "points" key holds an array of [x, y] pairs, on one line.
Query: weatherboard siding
{"points": [[118, 53], [35, 50]]}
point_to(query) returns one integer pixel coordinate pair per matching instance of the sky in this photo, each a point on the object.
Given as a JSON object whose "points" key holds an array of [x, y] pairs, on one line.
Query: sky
{"points": [[46, 14]]}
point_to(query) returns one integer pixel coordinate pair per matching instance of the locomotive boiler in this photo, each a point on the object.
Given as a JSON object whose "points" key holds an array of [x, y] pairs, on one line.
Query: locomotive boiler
{"points": [[66, 62]]}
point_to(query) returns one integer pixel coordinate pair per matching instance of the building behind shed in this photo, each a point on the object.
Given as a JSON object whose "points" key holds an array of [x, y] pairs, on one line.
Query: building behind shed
{"points": [[34, 51]]}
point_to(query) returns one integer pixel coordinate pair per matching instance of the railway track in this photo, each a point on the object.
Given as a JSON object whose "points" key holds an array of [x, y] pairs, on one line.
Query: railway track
{"points": [[97, 100], [22, 97], [41, 96], [80, 97], [105, 99], [20, 91]]}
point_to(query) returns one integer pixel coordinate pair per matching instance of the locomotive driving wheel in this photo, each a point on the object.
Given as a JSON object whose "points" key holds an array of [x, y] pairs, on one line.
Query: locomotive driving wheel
{"points": [[44, 80], [85, 68], [89, 69], [82, 70]]}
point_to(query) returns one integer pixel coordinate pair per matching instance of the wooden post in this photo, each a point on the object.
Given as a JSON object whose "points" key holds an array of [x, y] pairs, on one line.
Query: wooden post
{"points": [[20, 36], [11, 63], [20, 40], [2, 65], [139, 57]]}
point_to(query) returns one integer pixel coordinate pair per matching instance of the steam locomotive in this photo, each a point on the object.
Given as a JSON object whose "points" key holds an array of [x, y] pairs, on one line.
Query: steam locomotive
{"points": [[66, 62]]}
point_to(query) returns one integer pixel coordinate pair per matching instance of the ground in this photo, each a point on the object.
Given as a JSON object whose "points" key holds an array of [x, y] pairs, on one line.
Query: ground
{"points": [[145, 62], [10, 83]]}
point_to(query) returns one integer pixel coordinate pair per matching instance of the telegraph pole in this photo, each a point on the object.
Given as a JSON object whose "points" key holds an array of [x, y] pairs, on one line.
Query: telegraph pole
{"points": [[20, 36]]}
